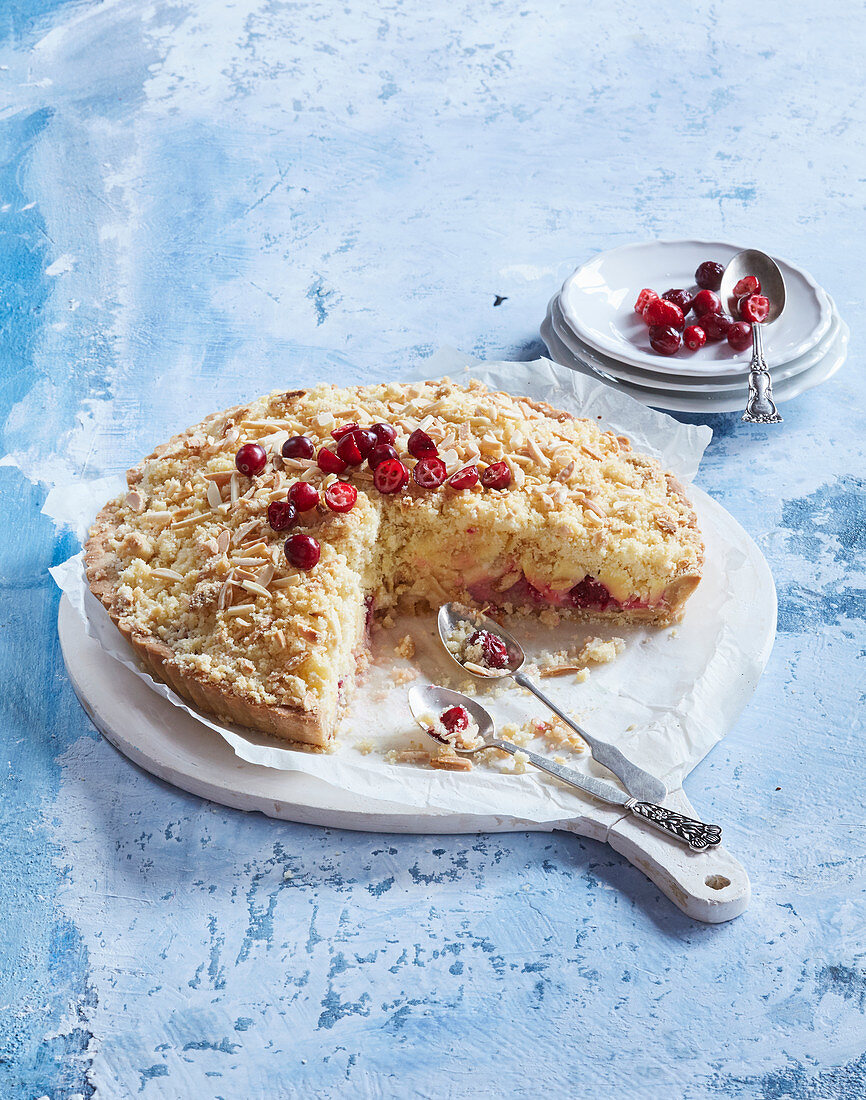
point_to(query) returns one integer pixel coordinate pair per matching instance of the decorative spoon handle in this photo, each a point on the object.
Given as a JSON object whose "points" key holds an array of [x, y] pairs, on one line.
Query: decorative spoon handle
{"points": [[695, 833], [636, 781], [760, 408]]}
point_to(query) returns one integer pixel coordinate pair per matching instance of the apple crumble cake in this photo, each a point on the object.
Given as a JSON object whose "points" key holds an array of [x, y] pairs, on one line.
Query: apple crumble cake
{"points": [[247, 560]]}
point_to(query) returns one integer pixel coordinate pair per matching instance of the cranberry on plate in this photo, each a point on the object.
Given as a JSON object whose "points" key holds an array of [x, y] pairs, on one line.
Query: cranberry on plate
{"points": [[384, 433], [455, 719], [665, 340], [329, 462], [281, 515], [749, 284], [304, 496], [465, 478], [380, 454], [494, 649], [429, 473], [755, 308], [341, 496], [705, 301], [302, 551], [298, 446], [709, 275], [680, 298], [694, 337], [390, 476], [643, 300], [716, 325], [420, 445], [251, 459], [740, 335], [344, 429], [663, 312], [496, 476]]}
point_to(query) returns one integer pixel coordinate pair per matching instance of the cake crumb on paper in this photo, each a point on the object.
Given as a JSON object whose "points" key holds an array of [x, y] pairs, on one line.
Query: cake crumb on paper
{"points": [[406, 647], [602, 652]]}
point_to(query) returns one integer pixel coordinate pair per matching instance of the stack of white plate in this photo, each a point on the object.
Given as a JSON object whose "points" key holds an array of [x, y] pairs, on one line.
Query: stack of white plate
{"points": [[591, 327]]}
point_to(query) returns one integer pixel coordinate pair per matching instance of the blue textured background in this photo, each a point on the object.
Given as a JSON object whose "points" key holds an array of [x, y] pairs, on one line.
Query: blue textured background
{"points": [[200, 201]]}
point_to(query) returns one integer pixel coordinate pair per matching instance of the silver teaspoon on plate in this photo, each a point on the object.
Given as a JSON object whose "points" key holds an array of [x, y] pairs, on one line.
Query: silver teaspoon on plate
{"points": [[430, 702], [635, 780], [760, 408]]}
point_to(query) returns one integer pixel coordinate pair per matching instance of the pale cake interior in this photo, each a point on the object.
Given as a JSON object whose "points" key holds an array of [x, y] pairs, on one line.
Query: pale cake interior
{"points": [[186, 559]]}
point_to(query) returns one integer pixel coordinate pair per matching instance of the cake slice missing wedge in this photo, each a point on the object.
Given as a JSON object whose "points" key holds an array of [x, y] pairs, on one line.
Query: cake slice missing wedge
{"points": [[192, 572]]}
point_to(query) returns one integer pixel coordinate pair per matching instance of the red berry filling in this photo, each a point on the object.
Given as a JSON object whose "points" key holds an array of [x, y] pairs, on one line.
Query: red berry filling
{"points": [[341, 496], [643, 300], [304, 496], [465, 478], [455, 719], [709, 275], [496, 476], [329, 462], [298, 446], [420, 445], [251, 459], [694, 337], [281, 515], [663, 312], [740, 335], [390, 476], [429, 473], [302, 551], [664, 339], [755, 308], [749, 284], [494, 649], [591, 594]]}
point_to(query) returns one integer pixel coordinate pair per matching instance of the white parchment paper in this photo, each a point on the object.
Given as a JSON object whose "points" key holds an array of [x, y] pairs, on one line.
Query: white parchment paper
{"points": [[665, 701]]}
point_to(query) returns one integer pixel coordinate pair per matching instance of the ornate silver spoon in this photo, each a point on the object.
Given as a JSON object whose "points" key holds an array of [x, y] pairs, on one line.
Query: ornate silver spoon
{"points": [[430, 702], [635, 780], [760, 408]]}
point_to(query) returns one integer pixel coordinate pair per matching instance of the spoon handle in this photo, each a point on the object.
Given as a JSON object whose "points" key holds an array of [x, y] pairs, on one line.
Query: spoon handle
{"points": [[636, 781], [760, 408]]}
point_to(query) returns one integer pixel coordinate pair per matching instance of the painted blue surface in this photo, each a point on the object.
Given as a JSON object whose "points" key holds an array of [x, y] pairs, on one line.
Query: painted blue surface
{"points": [[202, 201]]}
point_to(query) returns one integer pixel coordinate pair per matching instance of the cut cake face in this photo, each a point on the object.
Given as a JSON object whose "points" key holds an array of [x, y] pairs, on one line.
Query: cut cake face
{"points": [[190, 570]]}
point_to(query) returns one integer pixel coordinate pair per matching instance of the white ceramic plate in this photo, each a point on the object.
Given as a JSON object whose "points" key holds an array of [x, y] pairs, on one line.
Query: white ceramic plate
{"points": [[711, 384], [598, 305], [686, 401]]}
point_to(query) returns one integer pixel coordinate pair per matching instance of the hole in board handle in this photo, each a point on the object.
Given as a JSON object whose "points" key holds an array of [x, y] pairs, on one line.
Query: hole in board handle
{"points": [[717, 882]]}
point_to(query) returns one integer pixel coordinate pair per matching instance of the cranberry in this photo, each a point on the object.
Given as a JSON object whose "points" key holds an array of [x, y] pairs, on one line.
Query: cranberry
{"points": [[754, 308], [749, 284], [455, 719], [494, 649], [662, 312], [390, 476], [281, 515], [740, 335], [304, 496], [716, 325], [354, 447], [329, 462], [694, 337], [709, 275], [705, 301], [298, 446], [341, 496], [665, 340], [344, 429], [380, 454], [420, 445], [302, 551], [643, 300], [429, 473], [591, 593], [496, 476], [680, 298], [251, 459], [384, 433], [465, 478]]}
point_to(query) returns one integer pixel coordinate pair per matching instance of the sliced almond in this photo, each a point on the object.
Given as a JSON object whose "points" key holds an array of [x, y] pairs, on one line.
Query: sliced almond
{"points": [[240, 609], [135, 501], [235, 490], [223, 540], [411, 756], [560, 670], [286, 582], [167, 574], [265, 575], [452, 763], [255, 588], [214, 496]]}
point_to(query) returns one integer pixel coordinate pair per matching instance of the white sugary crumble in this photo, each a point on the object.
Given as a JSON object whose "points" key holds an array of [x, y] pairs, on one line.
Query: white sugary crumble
{"points": [[459, 739]]}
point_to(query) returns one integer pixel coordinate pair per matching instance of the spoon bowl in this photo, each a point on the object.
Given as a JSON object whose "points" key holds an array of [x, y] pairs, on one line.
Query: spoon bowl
{"points": [[753, 262], [450, 618], [431, 700]]}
